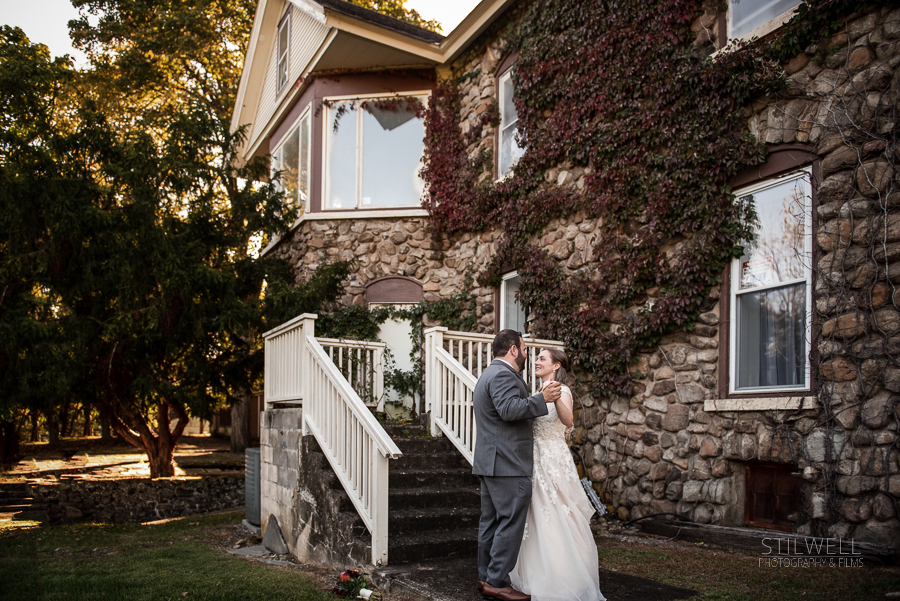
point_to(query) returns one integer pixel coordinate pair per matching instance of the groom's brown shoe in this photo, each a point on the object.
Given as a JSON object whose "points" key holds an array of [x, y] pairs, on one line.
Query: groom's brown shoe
{"points": [[504, 594]]}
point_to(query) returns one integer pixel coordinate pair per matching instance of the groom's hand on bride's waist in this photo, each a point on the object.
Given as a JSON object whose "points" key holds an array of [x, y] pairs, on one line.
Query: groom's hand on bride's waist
{"points": [[551, 391]]}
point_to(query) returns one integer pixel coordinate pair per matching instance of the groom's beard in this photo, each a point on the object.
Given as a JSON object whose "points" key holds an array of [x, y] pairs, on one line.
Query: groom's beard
{"points": [[520, 361]]}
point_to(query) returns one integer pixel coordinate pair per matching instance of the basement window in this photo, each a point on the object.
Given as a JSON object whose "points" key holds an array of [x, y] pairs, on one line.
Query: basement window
{"points": [[773, 495]]}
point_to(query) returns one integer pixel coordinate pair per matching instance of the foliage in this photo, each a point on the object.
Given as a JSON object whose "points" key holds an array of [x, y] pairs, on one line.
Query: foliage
{"points": [[398, 10], [129, 231], [618, 91]]}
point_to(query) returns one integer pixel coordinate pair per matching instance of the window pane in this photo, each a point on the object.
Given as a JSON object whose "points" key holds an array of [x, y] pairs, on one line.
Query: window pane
{"points": [[747, 15], [340, 160], [282, 53], [778, 253], [393, 143], [303, 179], [513, 314], [509, 148], [771, 339], [290, 165]]}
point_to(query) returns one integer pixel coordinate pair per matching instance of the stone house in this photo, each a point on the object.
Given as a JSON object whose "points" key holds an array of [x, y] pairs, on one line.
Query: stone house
{"points": [[777, 409]]}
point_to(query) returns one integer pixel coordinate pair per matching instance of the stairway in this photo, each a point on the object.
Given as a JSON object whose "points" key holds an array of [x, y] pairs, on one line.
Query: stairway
{"points": [[17, 504], [434, 499]]}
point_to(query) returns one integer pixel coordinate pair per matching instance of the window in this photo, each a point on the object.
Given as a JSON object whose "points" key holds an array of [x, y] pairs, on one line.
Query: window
{"points": [[774, 496], [770, 295], [291, 158], [373, 153], [512, 315], [747, 16], [283, 46], [509, 148]]}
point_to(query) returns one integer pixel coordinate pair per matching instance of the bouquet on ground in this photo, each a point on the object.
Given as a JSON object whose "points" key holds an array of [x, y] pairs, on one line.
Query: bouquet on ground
{"points": [[352, 584]]}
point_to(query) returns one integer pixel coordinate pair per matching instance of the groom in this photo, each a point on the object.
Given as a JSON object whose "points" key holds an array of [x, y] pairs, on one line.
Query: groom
{"points": [[504, 458]]}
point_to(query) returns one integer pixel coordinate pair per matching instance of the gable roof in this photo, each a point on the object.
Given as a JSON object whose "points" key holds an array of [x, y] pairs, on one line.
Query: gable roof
{"points": [[335, 35]]}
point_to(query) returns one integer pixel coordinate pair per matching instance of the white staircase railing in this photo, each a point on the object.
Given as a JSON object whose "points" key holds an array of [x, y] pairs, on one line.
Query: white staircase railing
{"points": [[352, 440], [450, 377], [362, 363]]}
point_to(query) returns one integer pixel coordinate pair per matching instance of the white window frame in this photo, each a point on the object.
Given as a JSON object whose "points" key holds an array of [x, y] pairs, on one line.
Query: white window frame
{"points": [[503, 295], [422, 95], [502, 175], [804, 174], [283, 55], [307, 115], [762, 30]]}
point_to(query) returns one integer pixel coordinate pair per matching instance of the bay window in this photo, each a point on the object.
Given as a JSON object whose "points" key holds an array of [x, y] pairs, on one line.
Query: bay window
{"points": [[770, 296], [373, 152], [291, 159]]}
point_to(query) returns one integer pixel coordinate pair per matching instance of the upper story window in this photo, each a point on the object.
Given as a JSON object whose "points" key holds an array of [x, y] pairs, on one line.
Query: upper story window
{"points": [[509, 151], [757, 17], [291, 158], [770, 295], [512, 314], [284, 38], [373, 152]]}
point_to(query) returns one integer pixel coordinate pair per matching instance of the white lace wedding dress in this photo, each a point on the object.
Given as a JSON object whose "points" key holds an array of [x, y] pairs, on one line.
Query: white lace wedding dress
{"points": [[558, 557]]}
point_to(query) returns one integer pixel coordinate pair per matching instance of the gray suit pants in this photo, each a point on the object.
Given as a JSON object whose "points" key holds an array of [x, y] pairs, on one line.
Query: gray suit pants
{"points": [[504, 508]]}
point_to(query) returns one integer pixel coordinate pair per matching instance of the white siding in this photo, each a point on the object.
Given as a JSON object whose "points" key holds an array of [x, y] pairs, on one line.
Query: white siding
{"points": [[307, 34]]}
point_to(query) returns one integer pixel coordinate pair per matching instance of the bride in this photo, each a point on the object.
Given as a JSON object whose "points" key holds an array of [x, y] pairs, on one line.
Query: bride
{"points": [[558, 557]]}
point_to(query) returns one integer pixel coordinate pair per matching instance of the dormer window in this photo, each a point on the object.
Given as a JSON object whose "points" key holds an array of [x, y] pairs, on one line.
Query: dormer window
{"points": [[756, 18], [284, 29], [509, 147]]}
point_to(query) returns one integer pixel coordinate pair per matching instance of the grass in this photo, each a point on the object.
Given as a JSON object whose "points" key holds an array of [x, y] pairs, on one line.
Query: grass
{"points": [[724, 576], [161, 562]]}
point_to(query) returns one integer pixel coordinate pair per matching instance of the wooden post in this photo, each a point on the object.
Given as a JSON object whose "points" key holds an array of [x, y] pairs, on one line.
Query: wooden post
{"points": [[307, 330]]}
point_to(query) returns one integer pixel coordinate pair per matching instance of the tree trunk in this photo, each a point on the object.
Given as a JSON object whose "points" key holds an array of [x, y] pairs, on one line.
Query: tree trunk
{"points": [[9, 441], [106, 433], [88, 426], [64, 419], [240, 426], [53, 431], [162, 460], [35, 425]]}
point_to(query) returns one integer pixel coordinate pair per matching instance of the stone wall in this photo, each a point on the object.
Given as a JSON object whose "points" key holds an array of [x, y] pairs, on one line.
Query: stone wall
{"points": [[138, 499], [279, 466]]}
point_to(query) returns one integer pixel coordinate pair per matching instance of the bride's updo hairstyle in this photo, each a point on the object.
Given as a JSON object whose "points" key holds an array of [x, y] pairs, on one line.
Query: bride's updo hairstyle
{"points": [[563, 374]]}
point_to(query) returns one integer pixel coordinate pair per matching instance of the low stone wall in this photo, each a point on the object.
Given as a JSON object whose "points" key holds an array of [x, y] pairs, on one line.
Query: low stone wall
{"points": [[138, 499]]}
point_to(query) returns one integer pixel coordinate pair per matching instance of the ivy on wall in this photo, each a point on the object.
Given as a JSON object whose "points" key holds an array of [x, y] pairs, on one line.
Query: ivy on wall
{"points": [[619, 90]]}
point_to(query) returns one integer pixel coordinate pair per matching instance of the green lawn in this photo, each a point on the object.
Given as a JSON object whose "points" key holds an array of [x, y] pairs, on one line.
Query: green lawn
{"points": [[132, 562], [724, 576]]}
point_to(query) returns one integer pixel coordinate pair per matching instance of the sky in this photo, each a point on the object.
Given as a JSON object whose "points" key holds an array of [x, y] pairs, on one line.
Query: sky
{"points": [[45, 21]]}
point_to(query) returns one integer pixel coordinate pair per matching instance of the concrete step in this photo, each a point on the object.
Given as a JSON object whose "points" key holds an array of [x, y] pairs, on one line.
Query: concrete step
{"points": [[405, 430], [438, 519], [439, 460], [432, 545], [440, 477], [424, 445], [430, 498]]}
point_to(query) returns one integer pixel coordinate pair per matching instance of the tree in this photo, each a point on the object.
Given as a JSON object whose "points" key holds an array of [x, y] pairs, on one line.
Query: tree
{"points": [[146, 276]]}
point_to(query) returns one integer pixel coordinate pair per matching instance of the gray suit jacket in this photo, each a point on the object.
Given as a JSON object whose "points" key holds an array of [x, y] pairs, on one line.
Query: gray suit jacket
{"points": [[503, 414]]}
